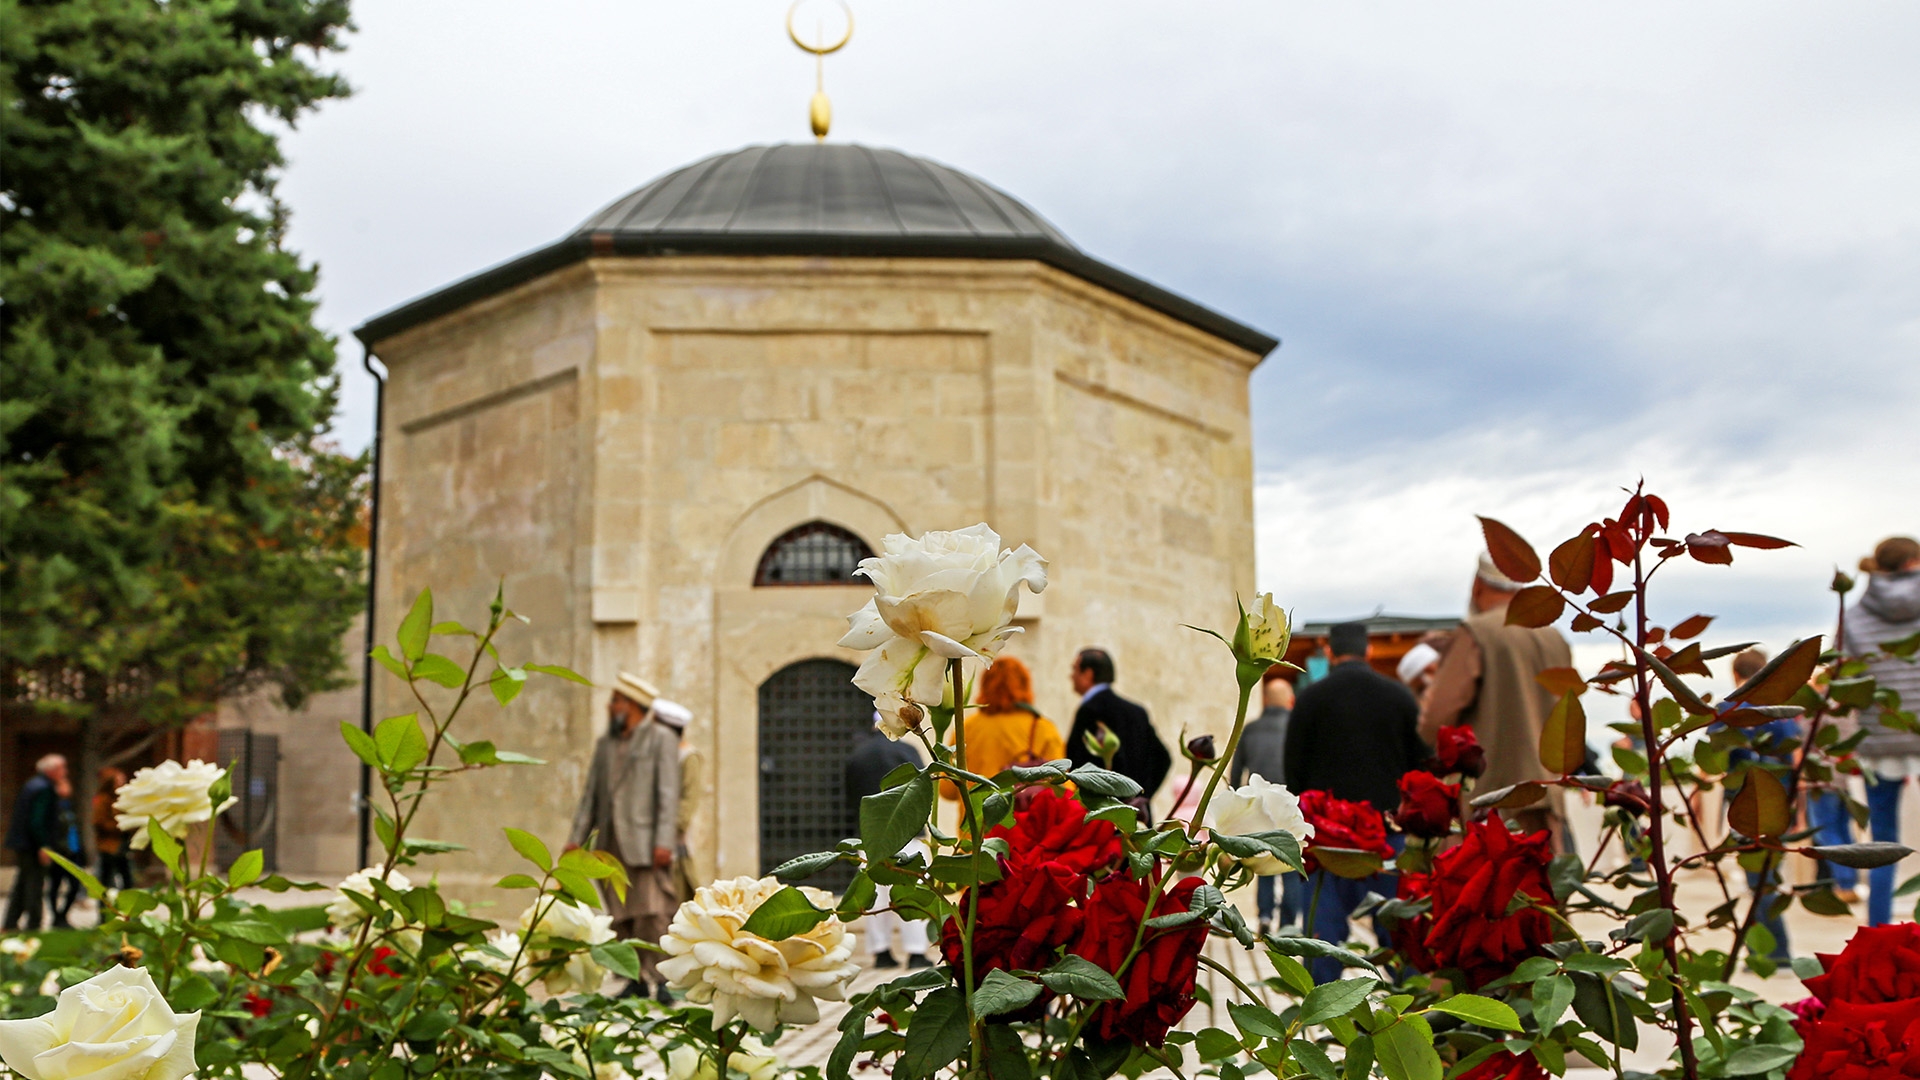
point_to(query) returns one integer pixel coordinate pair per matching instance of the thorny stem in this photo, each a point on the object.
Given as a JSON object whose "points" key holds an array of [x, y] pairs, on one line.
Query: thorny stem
{"points": [[1656, 823], [1693, 820], [1233, 745]]}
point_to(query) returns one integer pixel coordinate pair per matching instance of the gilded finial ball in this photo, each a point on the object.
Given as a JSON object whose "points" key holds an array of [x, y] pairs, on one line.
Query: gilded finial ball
{"points": [[820, 114]]}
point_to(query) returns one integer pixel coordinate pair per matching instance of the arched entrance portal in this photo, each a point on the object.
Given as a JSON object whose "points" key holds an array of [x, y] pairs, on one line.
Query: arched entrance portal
{"points": [[811, 715]]}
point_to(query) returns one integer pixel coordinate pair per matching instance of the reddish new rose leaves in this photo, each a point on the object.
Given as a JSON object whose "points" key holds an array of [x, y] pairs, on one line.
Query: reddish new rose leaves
{"points": [[1159, 983], [1471, 886], [1510, 553], [1428, 805]]}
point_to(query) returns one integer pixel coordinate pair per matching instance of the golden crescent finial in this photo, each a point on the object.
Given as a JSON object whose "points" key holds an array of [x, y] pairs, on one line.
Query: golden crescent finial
{"points": [[820, 50]]}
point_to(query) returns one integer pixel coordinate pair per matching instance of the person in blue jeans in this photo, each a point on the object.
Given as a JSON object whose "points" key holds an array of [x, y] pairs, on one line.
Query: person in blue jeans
{"points": [[1888, 610], [1833, 824]]}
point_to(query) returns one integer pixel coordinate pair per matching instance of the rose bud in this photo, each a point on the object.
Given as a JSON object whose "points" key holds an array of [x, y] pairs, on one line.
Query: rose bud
{"points": [[1459, 751], [1428, 805], [1628, 795], [1201, 749]]}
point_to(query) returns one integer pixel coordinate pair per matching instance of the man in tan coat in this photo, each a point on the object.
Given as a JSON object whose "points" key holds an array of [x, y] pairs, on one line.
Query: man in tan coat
{"points": [[631, 808], [1487, 680]]}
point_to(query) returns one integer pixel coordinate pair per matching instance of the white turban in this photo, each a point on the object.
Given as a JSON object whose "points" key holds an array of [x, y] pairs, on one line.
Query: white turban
{"points": [[1416, 661]]}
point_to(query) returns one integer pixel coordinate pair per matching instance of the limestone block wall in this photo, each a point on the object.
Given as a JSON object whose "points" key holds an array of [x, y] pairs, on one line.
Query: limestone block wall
{"points": [[624, 438]]}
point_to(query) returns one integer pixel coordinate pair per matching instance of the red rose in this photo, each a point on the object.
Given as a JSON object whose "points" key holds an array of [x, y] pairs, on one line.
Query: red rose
{"points": [[1409, 936], [1337, 823], [1855, 1041], [1458, 750], [1054, 828], [1471, 885], [1428, 805], [256, 1004], [1030, 912], [1506, 1065], [1880, 963], [1159, 984], [1023, 918], [377, 964]]}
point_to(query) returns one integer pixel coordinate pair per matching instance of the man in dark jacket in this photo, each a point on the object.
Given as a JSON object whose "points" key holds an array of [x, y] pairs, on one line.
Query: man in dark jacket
{"points": [[872, 759], [35, 825], [1352, 734], [1262, 753], [1143, 758]]}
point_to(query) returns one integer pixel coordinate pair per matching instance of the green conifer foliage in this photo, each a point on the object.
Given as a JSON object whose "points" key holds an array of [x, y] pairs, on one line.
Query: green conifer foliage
{"points": [[172, 526]]}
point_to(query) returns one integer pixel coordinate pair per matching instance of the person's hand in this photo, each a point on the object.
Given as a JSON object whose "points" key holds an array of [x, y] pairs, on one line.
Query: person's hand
{"points": [[662, 857], [45, 859]]}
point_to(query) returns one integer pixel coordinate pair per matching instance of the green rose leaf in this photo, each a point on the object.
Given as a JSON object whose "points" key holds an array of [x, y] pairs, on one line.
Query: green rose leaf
{"points": [[1001, 993], [1335, 999], [1099, 781], [801, 867], [530, 848], [246, 869], [416, 626], [890, 818], [938, 1033], [1484, 1011], [1405, 1051], [437, 668], [787, 913], [1083, 979]]}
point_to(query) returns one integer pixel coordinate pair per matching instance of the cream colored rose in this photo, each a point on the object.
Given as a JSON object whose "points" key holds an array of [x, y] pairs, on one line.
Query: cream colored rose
{"points": [[504, 942], [343, 913], [581, 974], [1268, 630], [170, 793], [21, 949], [114, 1026], [745, 975], [942, 596], [753, 1058], [1258, 807]]}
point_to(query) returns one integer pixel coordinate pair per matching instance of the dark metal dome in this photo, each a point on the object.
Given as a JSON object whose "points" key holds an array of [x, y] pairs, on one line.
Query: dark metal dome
{"points": [[819, 190], [825, 199]]}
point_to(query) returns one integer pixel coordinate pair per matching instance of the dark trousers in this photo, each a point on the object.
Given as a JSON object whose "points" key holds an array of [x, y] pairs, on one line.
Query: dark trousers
{"points": [[115, 871], [1883, 818], [62, 891], [1288, 904], [29, 882], [1774, 919]]}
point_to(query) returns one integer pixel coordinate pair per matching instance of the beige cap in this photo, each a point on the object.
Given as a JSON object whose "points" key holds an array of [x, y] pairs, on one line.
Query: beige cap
{"points": [[635, 689]]}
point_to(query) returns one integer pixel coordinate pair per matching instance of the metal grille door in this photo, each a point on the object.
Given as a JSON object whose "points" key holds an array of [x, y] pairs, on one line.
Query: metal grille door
{"points": [[255, 761], [811, 717]]}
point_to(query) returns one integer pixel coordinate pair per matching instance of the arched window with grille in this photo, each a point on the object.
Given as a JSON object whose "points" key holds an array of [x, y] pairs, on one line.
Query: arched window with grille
{"points": [[812, 554]]}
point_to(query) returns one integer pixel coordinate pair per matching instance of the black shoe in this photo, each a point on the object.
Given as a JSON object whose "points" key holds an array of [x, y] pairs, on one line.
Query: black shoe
{"points": [[884, 959], [635, 988], [919, 960], [663, 994]]}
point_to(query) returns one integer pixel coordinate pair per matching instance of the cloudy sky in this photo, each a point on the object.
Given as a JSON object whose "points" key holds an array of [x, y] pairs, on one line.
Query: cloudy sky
{"points": [[1519, 254]]}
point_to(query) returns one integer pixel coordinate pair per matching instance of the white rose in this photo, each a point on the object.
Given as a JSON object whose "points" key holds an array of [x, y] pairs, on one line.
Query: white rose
{"points": [[114, 1026], [582, 974], [753, 1058], [170, 793], [1258, 807], [739, 974], [344, 913], [504, 942], [21, 949], [943, 596], [1268, 630]]}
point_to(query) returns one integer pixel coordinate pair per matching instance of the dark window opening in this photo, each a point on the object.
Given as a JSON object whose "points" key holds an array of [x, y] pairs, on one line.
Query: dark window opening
{"points": [[813, 554]]}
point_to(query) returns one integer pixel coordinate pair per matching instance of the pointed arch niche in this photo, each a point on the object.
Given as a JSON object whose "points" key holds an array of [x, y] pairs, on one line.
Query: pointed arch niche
{"points": [[760, 631]]}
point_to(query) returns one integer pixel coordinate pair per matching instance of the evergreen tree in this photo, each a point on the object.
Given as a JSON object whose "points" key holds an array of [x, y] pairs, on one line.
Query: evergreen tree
{"points": [[175, 529]]}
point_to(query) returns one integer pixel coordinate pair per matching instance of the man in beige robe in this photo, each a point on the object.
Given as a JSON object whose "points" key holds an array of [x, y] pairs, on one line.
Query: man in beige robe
{"points": [[631, 808], [1487, 679]]}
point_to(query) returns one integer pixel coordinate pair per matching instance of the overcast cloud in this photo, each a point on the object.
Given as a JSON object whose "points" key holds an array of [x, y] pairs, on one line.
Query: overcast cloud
{"points": [[1519, 254]]}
